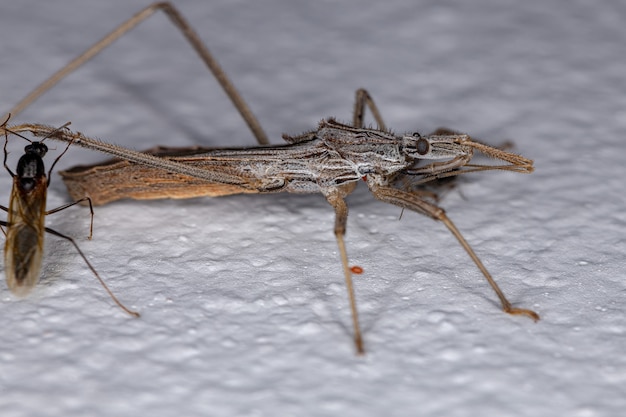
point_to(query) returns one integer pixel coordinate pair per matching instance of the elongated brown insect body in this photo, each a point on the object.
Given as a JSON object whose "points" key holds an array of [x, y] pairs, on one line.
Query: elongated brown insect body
{"points": [[26, 221]]}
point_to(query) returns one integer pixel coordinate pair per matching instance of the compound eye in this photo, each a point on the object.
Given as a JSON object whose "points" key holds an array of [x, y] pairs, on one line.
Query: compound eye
{"points": [[422, 146]]}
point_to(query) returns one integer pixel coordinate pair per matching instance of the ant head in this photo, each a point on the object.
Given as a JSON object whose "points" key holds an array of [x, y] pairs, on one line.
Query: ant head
{"points": [[36, 148]]}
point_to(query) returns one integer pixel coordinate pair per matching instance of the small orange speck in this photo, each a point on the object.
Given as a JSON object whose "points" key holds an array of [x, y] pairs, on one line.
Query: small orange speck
{"points": [[356, 270]]}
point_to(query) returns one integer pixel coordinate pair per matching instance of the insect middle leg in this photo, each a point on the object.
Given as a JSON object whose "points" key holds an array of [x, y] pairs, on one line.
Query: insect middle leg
{"points": [[335, 196]]}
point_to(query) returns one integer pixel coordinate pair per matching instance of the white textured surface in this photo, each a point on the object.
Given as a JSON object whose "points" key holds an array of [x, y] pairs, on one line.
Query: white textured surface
{"points": [[244, 309]]}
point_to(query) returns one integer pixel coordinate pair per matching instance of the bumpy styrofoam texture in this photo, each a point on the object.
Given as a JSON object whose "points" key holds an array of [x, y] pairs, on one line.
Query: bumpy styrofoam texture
{"points": [[244, 311]]}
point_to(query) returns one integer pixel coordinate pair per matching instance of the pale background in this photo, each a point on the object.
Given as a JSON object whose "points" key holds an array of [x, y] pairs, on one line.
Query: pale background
{"points": [[244, 311]]}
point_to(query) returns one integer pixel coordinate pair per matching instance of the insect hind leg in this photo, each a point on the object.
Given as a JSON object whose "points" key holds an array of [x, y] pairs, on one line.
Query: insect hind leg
{"points": [[93, 270]]}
